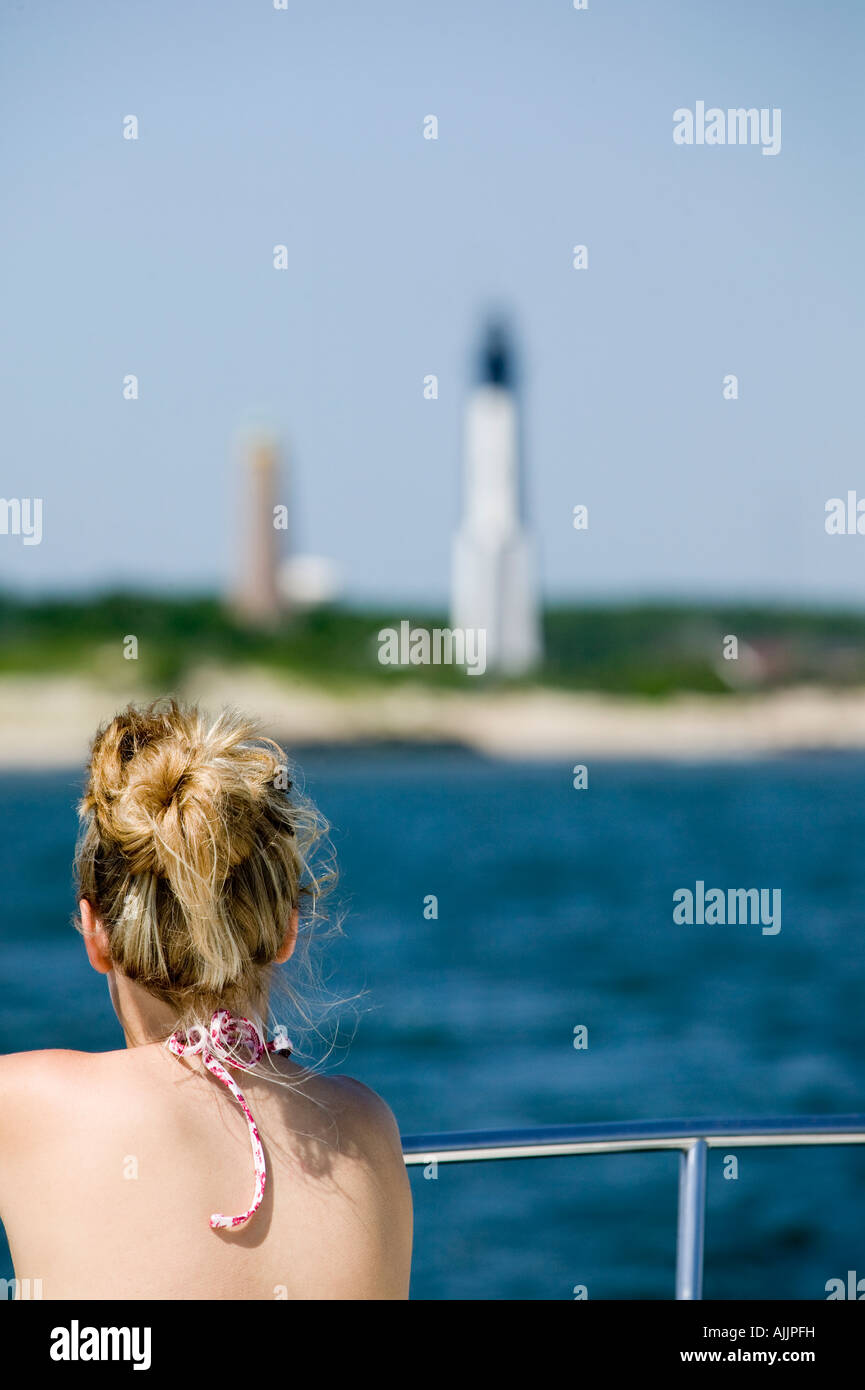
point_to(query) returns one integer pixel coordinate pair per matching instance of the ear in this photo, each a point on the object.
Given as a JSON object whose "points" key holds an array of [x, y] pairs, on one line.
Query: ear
{"points": [[95, 940], [290, 940]]}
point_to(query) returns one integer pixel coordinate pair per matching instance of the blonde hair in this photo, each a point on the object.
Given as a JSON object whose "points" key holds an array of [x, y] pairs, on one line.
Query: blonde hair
{"points": [[195, 849]]}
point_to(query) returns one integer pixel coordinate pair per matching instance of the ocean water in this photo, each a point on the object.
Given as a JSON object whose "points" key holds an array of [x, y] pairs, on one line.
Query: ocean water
{"points": [[555, 910]]}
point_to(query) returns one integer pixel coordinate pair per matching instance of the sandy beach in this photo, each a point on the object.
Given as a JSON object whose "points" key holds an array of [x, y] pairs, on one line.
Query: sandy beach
{"points": [[47, 723]]}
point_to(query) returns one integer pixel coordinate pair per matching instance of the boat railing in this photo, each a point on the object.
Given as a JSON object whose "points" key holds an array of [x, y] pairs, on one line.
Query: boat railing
{"points": [[692, 1138]]}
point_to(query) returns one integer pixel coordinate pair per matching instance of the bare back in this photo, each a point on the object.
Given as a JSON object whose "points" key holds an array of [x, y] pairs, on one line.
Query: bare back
{"points": [[111, 1164]]}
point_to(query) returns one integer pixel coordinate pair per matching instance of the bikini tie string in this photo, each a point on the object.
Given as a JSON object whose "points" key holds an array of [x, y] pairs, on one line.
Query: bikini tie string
{"points": [[232, 1042]]}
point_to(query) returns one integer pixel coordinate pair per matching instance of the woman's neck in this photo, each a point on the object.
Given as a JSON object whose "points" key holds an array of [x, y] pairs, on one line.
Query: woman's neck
{"points": [[143, 1018], [146, 1019]]}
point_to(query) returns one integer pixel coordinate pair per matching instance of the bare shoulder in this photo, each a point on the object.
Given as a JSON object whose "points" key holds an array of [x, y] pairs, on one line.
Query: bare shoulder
{"points": [[31, 1080], [371, 1175], [20, 1071], [360, 1136], [364, 1120], [364, 1104], [33, 1086]]}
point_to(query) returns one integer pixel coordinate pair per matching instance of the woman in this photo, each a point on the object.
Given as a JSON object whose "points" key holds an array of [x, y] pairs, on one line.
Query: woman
{"points": [[201, 1161]]}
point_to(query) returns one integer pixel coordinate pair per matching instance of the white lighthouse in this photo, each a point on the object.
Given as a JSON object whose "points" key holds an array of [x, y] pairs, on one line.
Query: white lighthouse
{"points": [[493, 570]]}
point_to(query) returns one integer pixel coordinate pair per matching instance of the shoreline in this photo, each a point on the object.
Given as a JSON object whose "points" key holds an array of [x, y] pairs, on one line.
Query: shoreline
{"points": [[48, 723]]}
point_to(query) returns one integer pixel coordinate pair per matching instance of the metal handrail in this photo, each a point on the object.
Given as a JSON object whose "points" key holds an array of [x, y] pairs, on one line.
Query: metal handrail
{"points": [[693, 1139]]}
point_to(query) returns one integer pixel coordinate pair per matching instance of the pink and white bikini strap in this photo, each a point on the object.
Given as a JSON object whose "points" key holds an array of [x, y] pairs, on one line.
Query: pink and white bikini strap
{"points": [[232, 1042]]}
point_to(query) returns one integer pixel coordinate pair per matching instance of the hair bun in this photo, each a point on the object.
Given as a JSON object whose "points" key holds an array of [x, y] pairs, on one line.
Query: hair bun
{"points": [[176, 796]]}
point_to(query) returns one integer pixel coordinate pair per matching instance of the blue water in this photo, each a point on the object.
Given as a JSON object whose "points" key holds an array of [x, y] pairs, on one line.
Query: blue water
{"points": [[555, 909]]}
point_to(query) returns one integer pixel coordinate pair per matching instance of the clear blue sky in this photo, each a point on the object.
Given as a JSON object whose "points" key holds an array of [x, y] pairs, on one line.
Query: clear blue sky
{"points": [[304, 127]]}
